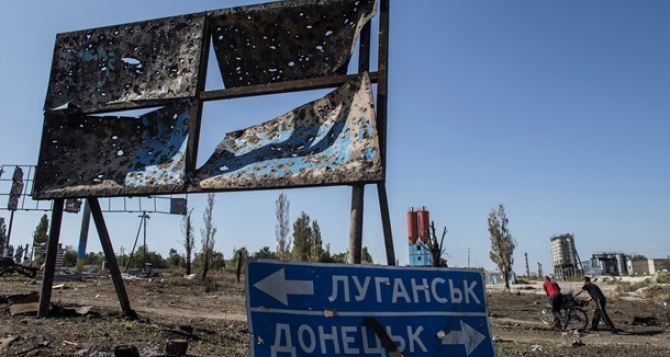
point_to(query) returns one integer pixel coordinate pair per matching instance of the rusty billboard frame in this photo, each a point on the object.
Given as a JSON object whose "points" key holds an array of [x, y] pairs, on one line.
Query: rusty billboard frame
{"points": [[321, 80], [126, 66]]}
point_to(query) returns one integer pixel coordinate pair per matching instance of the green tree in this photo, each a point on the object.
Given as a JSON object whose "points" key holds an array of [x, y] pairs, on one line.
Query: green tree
{"points": [[317, 242], [340, 257], [69, 258], [266, 253], [207, 234], [95, 258], [282, 228], [18, 254], [174, 259], [237, 253], [189, 240], [502, 242], [154, 258], [217, 261], [366, 258], [41, 234], [302, 238]]}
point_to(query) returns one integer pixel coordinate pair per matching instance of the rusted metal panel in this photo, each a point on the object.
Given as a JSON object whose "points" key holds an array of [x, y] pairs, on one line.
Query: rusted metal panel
{"points": [[92, 156], [332, 140], [285, 41], [126, 65]]}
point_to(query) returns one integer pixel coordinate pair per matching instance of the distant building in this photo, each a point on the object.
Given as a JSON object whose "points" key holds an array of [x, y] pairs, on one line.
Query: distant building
{"points": [[40, 250], [645, 266], [564, 256], [418, 237], [615, 264]]}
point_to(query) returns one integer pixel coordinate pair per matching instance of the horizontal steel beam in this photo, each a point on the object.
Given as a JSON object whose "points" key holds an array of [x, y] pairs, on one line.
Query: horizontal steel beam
{"points": [[282, 87]]}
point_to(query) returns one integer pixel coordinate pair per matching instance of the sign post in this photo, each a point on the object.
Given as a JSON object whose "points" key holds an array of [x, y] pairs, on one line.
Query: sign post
{"points": [[297, 309]]}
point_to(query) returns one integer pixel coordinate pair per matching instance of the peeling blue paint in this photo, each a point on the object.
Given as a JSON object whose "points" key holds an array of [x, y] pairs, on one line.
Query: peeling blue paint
{"points": [[330, 140]]}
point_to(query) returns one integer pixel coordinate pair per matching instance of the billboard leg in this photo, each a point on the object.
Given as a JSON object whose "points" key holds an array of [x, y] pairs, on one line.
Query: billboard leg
{"points": [[356, 227], [83, 236], [386, 223], [50, 261], [107, 248]]}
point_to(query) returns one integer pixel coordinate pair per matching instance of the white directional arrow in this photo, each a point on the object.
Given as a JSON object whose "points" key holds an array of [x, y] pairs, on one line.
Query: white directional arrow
{"points": [[279, 288], [467, 336]]}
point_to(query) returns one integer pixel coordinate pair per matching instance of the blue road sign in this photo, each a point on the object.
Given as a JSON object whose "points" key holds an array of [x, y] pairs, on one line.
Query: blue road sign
{"points": [[309, 309]]}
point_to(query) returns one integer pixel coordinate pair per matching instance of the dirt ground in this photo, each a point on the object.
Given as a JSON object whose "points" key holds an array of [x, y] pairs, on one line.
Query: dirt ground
{"points": [[170, 306]]}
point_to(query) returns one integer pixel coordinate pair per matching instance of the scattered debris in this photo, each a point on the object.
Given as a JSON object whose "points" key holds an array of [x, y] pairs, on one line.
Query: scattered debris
{"points": [[29, 308], [645, 320], [23, 304], [126, 351], [8, 266], [184, 331], [42, 344], [129, 277], [59, 310], [176, 348], [32, 296], [535, 347], [7, 341], [578, 343]]}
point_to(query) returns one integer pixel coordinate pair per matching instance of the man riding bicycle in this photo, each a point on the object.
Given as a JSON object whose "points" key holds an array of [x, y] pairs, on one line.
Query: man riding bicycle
{"points": [[553, 291]]}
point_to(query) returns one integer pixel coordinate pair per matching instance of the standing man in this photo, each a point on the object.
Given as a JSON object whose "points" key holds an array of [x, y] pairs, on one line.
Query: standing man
{"points": [[599, 299], [553, 291]]}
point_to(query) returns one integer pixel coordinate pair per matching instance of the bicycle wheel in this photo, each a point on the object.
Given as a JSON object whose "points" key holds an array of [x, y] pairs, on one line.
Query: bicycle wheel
{"points": [[577, 320], [546, 316]]}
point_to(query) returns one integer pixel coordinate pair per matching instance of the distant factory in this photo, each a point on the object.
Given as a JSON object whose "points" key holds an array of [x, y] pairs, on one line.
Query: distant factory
{"points": [[564, 256], [418, 234], [567, 264], [620, 264]]}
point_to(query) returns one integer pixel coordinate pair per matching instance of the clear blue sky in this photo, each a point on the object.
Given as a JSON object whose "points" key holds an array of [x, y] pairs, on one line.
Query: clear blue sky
{"points": [[558, 109]]}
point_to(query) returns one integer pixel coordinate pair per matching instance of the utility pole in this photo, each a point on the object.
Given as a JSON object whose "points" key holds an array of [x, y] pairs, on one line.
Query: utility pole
{"points": [[539, 270], [144, 216], [527, 269], [468, 257], [123, 256]]}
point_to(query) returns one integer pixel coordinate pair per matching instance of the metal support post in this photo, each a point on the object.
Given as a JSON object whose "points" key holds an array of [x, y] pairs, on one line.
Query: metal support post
{"points": [[382, 116], [386, 223], [9, 234], [356, 228], [107, 248], [358, 190], [50, 261], [83, 236]]}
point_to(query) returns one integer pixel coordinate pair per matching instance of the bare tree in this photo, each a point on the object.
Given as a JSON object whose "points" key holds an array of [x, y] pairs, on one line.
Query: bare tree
{"points": [[502, 242], [207, 234], [282, 227], [437, 248], [189, 239]]}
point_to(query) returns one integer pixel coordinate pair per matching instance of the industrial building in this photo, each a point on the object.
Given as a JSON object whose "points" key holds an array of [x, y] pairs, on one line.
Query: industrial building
{"points": [[564, 256], [418, 234], [606, 263], [620, 264], [645, 266]]}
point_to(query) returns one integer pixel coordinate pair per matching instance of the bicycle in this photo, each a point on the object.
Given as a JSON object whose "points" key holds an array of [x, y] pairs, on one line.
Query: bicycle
{"points": [[573, 314]]}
